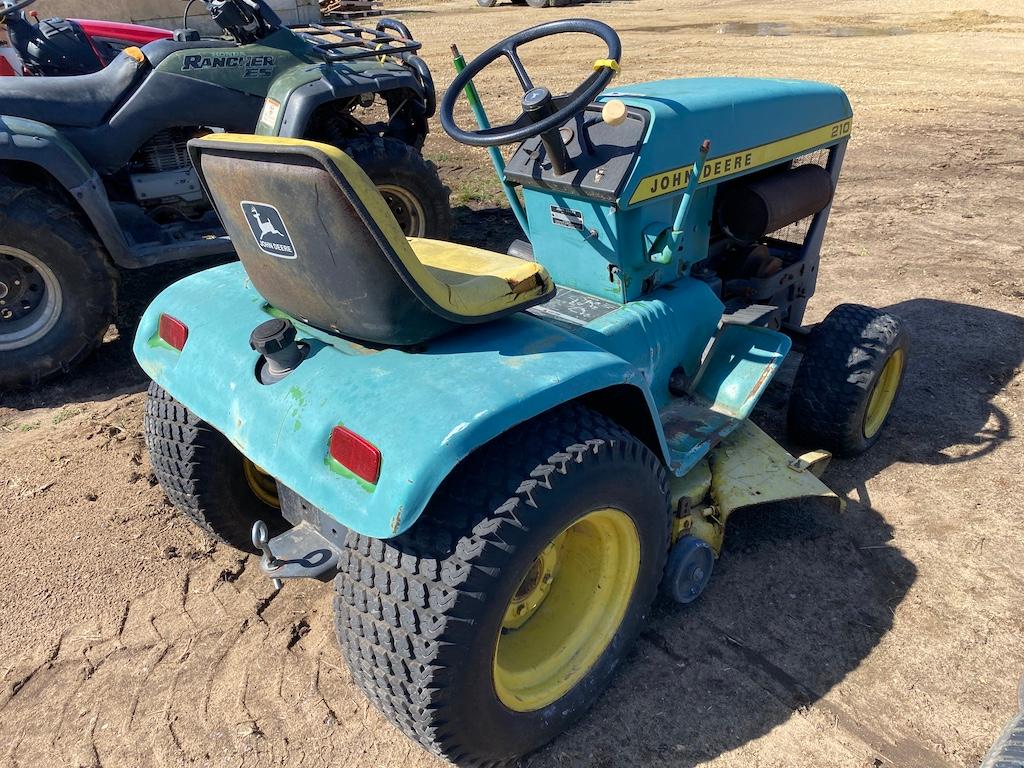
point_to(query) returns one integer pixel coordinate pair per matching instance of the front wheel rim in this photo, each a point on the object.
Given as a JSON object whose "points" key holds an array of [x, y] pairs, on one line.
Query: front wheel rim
{"points": [[407, 209], [30, 299], [576, 594], [883, 394]]}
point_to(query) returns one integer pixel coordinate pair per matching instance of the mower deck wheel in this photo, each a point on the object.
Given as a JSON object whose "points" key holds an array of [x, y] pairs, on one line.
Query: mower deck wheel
{"points": [[497, 619], [206, 478], [487, 3], [688, 572], [848, 380]]}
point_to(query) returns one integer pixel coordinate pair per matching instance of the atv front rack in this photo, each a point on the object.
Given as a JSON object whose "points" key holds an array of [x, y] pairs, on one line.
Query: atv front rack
{"points": [[345, 41]]}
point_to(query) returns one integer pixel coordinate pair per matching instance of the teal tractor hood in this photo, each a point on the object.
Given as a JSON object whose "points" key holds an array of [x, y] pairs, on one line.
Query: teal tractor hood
{"points": [[748, 122]]}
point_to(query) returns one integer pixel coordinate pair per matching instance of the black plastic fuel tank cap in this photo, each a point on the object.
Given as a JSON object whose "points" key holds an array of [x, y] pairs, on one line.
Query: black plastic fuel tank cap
{"points": [[275, 340], [272, 336]]}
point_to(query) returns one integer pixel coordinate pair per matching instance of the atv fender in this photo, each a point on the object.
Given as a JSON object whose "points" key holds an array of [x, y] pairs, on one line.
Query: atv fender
{"points": [[38, 144], [425, 409], [298, 95]]}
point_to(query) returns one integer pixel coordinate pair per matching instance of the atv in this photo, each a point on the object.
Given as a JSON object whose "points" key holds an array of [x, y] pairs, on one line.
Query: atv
{"points": [[501, 459], [95, 176], [52, 47]]}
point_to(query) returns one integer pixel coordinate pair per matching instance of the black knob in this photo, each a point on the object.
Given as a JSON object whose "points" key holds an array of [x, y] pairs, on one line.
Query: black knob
{"points": [[537, 102], [272, 336], [275, 341]]}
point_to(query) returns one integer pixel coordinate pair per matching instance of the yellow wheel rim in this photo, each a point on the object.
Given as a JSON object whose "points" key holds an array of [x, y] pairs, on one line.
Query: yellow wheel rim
{"points": [[883, 393], [263, 486], [566, 610]]}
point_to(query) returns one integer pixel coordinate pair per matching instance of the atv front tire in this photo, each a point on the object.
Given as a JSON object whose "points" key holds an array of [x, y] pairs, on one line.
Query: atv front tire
{"points": [[410, 185], [497, 619], [204, 476], [58, 290], [849, 379]]}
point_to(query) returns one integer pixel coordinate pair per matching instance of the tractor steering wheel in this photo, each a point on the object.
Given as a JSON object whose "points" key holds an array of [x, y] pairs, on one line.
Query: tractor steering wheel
{"points": [[541, 112]]}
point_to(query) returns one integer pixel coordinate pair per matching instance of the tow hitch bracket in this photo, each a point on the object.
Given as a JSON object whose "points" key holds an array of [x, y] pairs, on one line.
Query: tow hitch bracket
{"points": [[298, 553]]}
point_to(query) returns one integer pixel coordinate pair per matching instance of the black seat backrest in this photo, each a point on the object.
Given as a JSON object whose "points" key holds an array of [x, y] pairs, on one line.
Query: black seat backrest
{"points": [[316, 238]]}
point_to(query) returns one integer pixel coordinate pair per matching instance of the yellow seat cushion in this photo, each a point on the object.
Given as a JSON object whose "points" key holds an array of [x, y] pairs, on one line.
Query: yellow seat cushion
{"points": [[468, 282], [480, 282]]}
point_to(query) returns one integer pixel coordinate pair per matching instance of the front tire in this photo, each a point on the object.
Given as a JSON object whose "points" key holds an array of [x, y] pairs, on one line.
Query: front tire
{"points": [[849, 379], [58, 290], [204, 476], [494, 623]]}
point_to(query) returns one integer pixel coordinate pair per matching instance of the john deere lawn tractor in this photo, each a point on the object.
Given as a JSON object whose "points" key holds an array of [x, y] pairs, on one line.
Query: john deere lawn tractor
{"points": [[95, 175], [501, 459]]}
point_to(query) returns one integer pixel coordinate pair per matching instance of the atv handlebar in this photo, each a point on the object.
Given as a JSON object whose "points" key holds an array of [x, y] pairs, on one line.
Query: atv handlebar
{"points": [[6, 9], [541, 112], [244, 20]]}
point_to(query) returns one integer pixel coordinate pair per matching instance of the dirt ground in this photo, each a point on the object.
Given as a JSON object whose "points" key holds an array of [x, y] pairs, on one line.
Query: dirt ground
{"points": [[890, 635]]}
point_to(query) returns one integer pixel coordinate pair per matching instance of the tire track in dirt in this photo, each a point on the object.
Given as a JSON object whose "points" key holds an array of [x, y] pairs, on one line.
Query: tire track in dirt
{"points": [[210, 669]]}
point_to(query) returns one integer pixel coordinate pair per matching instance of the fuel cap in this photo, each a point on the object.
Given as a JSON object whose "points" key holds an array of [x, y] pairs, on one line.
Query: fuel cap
{"points": [[272, 337]]}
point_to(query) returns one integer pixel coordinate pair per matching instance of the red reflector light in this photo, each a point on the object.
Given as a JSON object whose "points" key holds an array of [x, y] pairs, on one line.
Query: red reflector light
{"points": [[173, 331], [355, 454]]}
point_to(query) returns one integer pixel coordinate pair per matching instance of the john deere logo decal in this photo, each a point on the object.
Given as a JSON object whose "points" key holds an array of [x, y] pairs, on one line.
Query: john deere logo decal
{"points": [[268, 228]]}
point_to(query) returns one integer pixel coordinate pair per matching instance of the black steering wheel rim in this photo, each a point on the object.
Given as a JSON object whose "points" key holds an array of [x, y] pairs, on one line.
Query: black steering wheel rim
{"points": [[565, 106]]}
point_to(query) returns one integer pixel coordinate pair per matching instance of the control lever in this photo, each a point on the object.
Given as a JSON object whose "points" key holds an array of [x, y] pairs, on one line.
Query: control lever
{"points": [[537, 105]]}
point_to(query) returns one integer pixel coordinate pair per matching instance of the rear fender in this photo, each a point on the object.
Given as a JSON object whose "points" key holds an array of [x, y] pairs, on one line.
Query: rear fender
{"points": [[425, 409], [37, 144]]}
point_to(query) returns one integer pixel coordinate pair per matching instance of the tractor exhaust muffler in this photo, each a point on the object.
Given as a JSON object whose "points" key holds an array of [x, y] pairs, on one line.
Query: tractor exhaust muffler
{"points": [[751, 209]]}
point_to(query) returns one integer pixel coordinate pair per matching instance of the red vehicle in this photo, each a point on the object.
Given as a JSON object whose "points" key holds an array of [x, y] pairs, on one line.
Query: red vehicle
{"points": [[64, 46]]}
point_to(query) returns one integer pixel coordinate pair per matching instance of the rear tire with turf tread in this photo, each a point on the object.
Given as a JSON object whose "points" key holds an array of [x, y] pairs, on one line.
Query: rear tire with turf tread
{"points": [[418, 616], [50, 229], [202, 473], [1008, 749], [842, 364], [390, 162]]}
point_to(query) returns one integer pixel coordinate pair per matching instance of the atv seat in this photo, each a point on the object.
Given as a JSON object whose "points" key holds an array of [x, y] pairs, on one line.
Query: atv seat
{"points": [[78, 101], [319, 243]]}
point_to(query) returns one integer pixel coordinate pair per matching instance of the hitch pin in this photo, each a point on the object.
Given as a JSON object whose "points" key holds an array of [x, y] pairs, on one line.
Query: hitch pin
{"points": [[261, 540]]}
